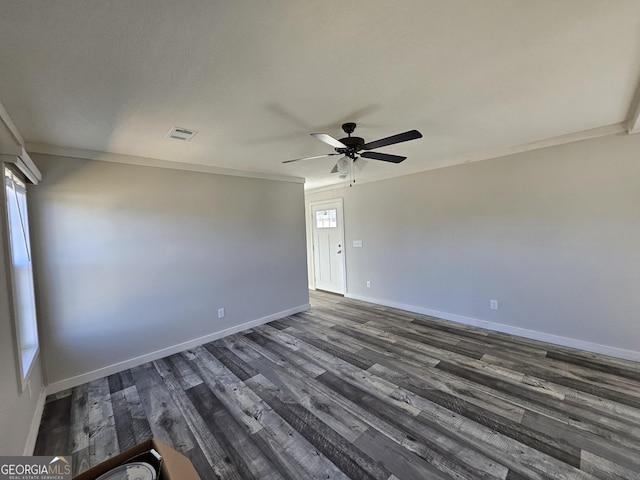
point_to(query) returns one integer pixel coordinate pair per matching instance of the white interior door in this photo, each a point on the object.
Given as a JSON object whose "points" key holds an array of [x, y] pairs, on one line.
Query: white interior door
{"points": [[328, 246]]}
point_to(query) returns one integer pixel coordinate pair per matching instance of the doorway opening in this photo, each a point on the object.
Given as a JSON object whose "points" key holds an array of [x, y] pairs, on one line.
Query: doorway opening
{"points": [[327, 232]]}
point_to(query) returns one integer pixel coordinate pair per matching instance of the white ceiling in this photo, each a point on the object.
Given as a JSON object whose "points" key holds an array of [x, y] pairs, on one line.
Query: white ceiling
{"points": [[477, 77]]}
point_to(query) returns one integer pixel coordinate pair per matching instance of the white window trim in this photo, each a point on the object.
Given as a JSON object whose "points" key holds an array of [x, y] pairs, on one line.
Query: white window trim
{"points": [[22, 163]]}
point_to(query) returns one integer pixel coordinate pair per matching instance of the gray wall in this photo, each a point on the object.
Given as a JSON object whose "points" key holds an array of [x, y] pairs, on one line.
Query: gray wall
{"points": [[130, 260], [17, 410], [552, 234]]}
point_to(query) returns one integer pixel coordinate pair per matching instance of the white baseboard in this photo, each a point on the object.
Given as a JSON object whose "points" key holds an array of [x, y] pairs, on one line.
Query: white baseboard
{"points": [[35, 424], [500, 327], [165, 352]]}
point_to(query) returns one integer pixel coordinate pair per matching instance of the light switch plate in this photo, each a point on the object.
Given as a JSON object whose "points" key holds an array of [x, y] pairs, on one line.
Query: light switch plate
{"points": [[357, 243]]}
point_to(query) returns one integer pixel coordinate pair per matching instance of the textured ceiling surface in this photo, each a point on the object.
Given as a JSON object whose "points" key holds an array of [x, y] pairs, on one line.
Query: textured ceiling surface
{"points": [[255, 78]]}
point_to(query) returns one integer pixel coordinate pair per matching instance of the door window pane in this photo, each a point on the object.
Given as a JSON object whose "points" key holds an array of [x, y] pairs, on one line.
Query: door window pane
{"points": [[326, 218]]}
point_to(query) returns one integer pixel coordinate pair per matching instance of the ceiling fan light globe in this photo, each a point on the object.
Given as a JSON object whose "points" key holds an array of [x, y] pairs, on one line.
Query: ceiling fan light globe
{"points": [[343, 165], [360, 163]]}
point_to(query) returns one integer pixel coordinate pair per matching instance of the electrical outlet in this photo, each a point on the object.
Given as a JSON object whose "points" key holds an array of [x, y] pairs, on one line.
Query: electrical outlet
{"points": [[493, 304], [220, 312], [368, 283]]}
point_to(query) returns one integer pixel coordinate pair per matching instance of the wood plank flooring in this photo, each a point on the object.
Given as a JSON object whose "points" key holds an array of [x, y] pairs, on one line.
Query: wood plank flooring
{"points": [[356, 390]]}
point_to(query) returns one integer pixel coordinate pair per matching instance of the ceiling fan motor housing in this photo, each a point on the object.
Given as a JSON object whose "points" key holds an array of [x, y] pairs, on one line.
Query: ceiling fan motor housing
{"points": [[353, 144]]}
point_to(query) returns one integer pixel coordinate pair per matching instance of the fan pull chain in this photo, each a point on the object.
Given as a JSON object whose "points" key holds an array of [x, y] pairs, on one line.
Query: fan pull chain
{"points": [[351, 173]]}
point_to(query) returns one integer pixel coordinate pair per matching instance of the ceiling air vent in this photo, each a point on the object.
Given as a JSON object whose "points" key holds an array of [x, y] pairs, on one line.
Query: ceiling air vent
{"points": [[180, 133]]}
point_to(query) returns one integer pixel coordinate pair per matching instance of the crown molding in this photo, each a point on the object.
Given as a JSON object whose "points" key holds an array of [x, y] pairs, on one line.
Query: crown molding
{"points": [[613, 129], [633, 126], [13, 130], [152, 162], [633, 117], [11, 150]]}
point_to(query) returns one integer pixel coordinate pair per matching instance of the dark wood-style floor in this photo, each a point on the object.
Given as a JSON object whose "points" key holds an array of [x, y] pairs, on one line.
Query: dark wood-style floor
{"points": [[355, 390]]}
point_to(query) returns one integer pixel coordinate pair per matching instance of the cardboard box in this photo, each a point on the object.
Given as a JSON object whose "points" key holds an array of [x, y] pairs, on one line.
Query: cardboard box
{"points": [[175, 466]]}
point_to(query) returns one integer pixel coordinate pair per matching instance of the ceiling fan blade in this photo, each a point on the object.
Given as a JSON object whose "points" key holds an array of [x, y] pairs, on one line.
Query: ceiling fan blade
{"points": [[323, 137], [385, 157], [310, 158], [399, 138], [334, 169]]}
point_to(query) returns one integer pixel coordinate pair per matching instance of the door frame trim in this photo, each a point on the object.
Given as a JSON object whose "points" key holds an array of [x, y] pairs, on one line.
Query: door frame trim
{"points": [[312, 245]]}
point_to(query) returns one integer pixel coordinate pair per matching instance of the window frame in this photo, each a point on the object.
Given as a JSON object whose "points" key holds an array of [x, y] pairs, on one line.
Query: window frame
{"points": [[24, 177]]}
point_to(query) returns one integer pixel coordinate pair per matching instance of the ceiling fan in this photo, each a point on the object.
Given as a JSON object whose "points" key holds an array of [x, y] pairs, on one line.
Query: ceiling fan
{"points": [[351, 148]]}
